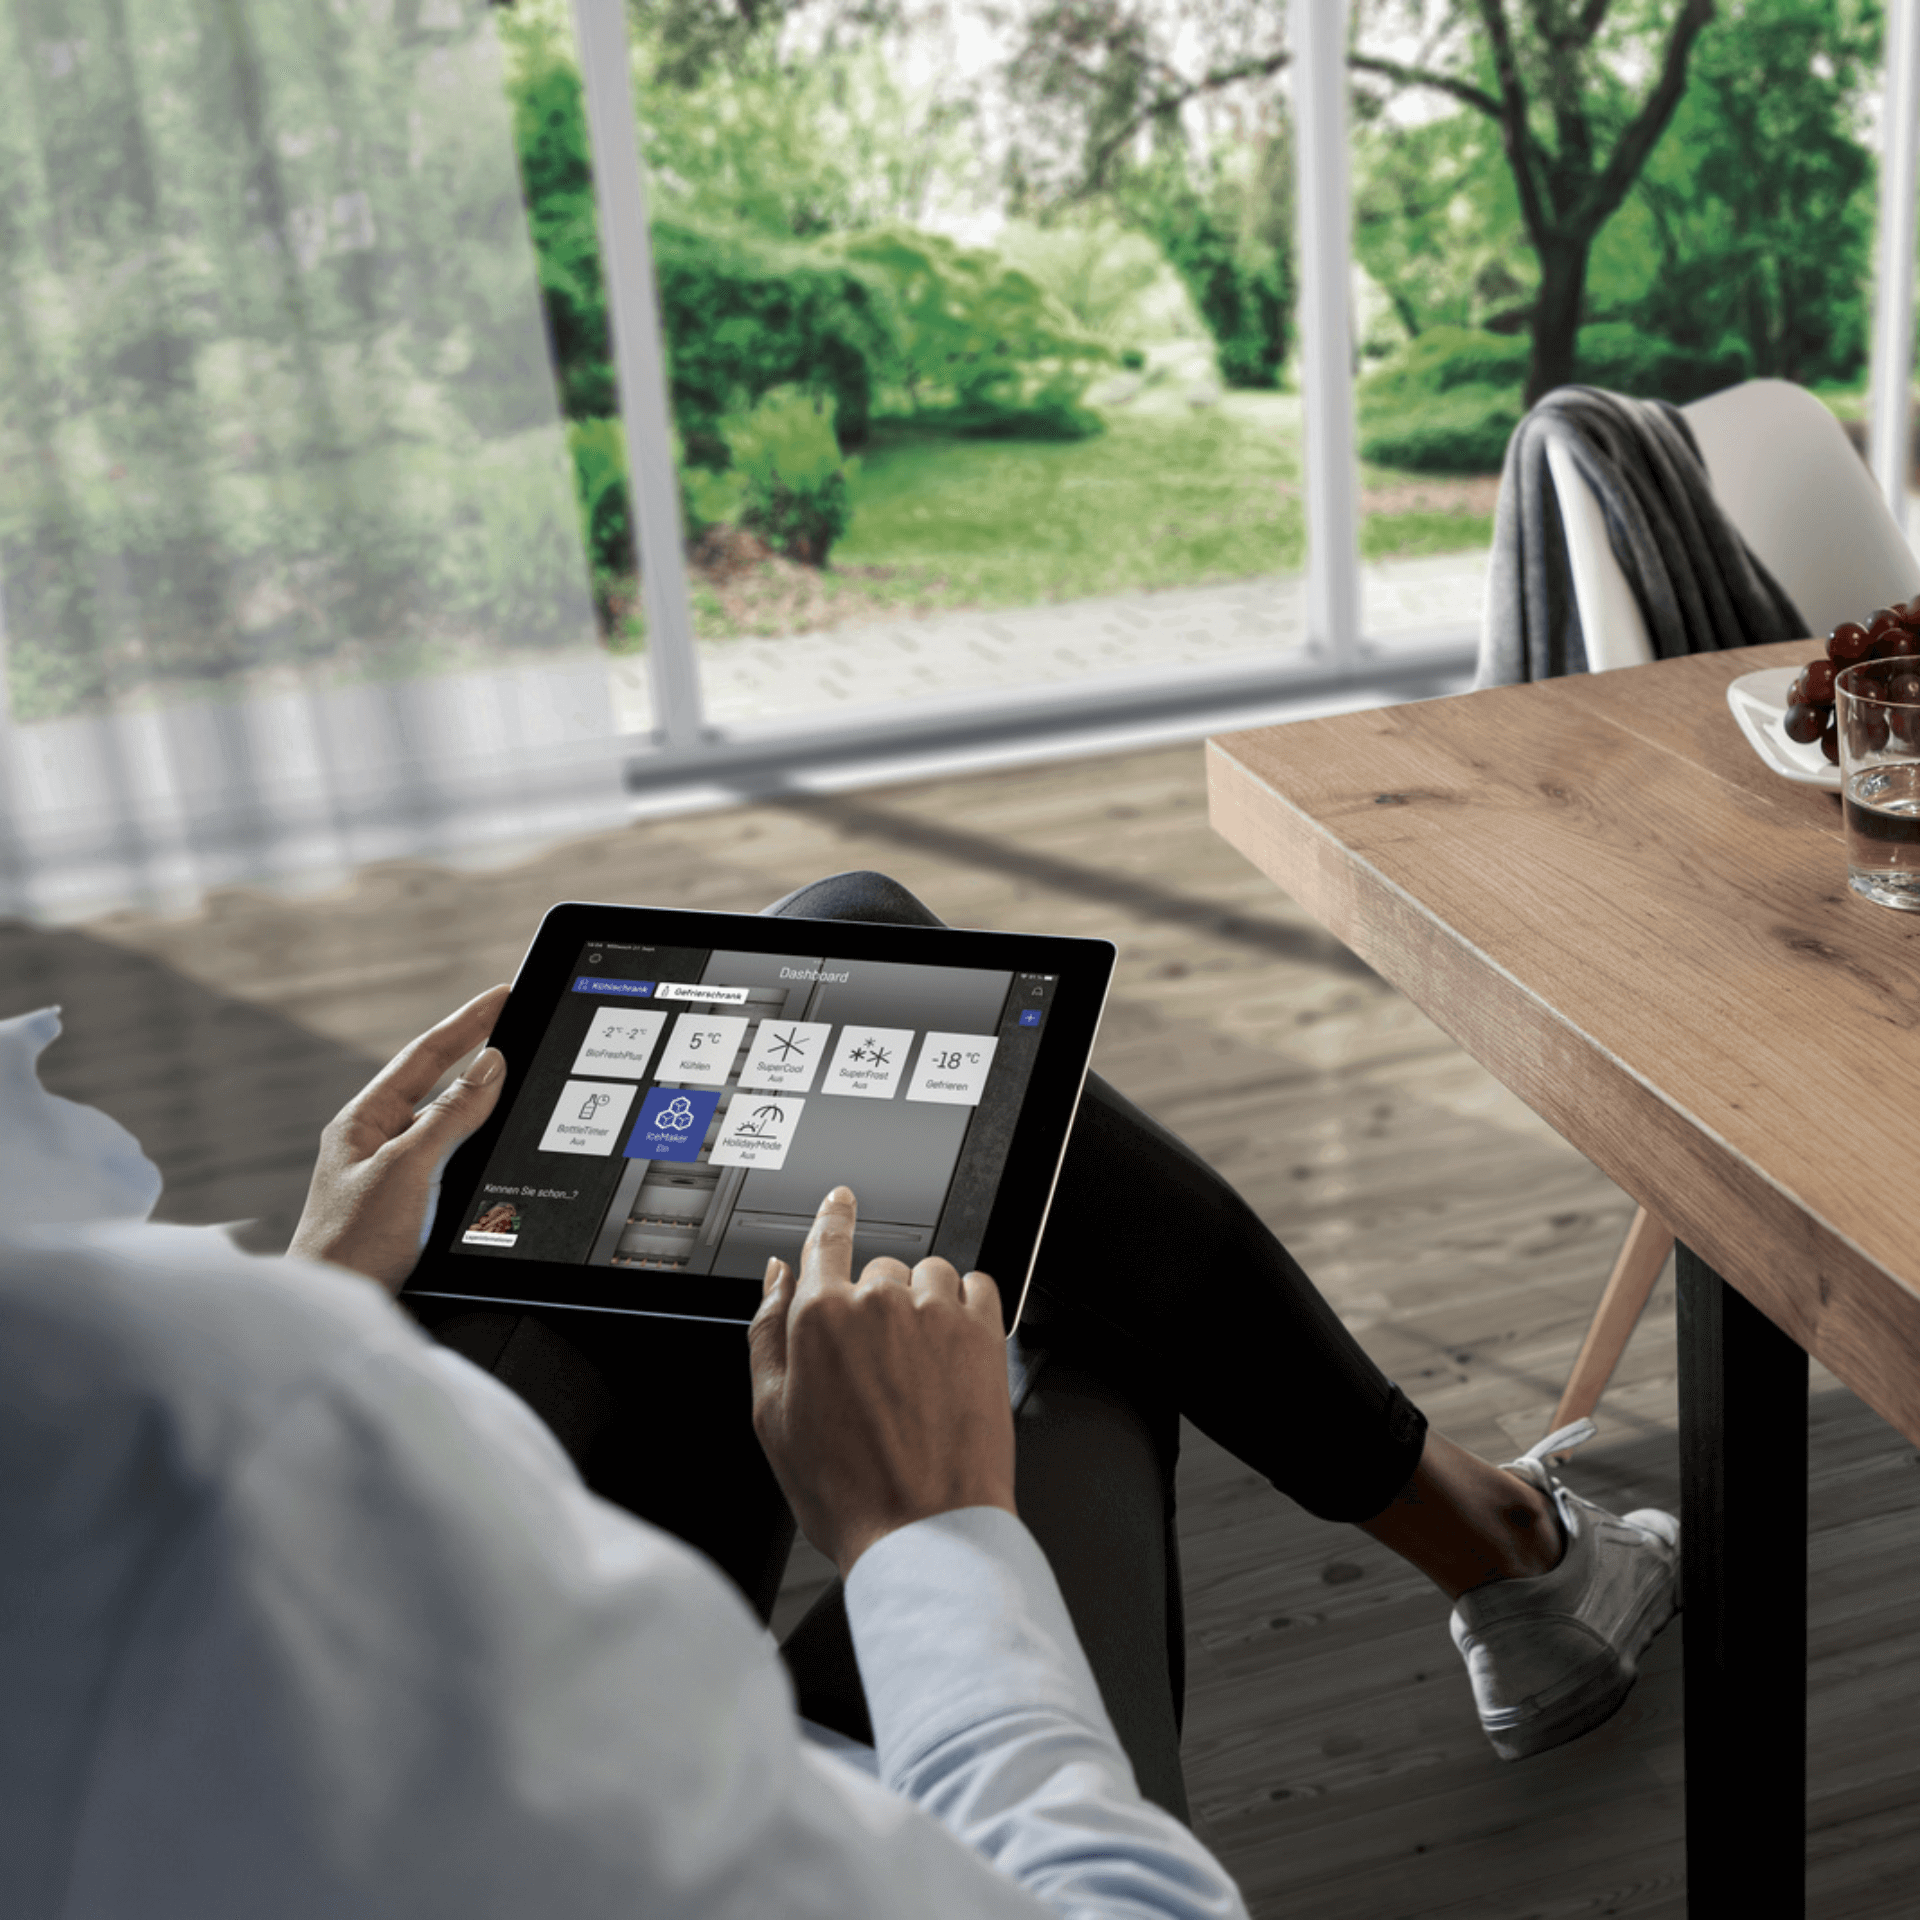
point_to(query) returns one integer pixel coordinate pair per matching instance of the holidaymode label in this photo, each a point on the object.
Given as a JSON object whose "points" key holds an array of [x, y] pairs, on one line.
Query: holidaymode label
{"points": [[757, 1130]]}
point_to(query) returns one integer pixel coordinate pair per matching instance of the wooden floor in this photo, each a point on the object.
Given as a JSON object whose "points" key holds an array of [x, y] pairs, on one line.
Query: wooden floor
{"points": [[1332, 1755]]}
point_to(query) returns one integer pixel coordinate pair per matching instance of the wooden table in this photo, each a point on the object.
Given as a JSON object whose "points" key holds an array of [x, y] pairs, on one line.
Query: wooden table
{"points": [[1595, 886]]}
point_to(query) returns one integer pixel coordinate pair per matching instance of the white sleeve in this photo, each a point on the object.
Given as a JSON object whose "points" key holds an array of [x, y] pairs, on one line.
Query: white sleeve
{"points": [[404, 1664], [986, 1713]]}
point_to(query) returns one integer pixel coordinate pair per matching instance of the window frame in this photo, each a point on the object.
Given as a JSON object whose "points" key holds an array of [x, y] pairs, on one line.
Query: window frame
{"points": [[1339, 663]]}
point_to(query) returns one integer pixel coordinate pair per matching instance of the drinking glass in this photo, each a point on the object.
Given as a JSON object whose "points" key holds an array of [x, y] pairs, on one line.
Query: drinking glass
{"points": [[1877, 709]]}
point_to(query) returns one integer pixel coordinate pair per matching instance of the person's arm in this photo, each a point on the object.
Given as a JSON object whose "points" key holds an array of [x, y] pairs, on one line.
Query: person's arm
{"points": [[883, 1409]]}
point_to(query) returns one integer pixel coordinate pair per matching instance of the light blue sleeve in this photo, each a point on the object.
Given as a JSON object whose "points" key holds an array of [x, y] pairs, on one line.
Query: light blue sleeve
{"points": [[986, 1713]]}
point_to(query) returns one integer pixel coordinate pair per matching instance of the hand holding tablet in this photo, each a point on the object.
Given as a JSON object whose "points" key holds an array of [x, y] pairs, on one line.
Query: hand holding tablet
{"points": [[680, 1088]]}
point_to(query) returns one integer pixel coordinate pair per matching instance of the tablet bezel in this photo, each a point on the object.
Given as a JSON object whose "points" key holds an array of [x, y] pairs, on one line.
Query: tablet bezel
{"points": [[1010, 1244]]}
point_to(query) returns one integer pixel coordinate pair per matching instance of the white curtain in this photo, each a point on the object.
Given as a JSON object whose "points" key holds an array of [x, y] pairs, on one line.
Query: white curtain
{"points": [[290, 570]]}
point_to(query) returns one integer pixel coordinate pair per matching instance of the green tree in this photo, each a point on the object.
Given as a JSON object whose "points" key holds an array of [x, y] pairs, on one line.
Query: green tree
{"points": [[1230, 238], [1579, 91], [1759, 205], [1575, 130], [1435, 222]]}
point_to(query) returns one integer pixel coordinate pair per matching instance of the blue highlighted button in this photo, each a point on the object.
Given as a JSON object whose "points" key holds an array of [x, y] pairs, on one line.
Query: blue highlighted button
{"points": [[623, 989], [1029, 1016], [672, 1124]]}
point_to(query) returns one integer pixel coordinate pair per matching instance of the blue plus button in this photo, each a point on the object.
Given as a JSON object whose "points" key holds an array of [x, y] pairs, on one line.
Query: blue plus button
{"points": [[1029, 1016]]}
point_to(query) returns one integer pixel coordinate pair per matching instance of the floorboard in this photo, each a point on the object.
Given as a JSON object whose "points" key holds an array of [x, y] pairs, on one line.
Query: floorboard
{"points": [[1332, 1755]]}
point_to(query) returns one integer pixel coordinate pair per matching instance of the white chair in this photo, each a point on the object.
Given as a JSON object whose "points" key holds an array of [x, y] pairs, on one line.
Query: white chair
{"points": [[1786, 475]]}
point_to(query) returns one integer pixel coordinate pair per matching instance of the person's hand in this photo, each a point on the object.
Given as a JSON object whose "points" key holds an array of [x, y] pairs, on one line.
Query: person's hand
{"points": [[377, 1181], [883, 1403]]}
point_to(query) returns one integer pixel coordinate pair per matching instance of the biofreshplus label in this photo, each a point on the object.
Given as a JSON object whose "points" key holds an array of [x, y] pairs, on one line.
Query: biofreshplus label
{"points": [[620, 1042]]}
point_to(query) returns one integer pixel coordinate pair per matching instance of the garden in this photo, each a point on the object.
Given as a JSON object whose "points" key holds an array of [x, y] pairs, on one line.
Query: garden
{"points": [[978, 306], [874, 416]]}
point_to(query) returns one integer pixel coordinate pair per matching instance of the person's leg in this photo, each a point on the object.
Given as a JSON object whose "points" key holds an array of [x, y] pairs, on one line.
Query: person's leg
{"points": [[1205, 1299], [1555, 1598], [1256, 1358], [658, 1417]]}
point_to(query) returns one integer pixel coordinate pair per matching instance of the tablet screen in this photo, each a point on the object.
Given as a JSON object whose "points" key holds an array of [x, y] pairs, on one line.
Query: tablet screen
{"points": [[684, 1108]]}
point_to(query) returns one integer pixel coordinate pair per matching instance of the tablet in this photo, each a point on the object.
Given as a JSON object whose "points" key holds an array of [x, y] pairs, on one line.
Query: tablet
{"points": [[682, 1089]]}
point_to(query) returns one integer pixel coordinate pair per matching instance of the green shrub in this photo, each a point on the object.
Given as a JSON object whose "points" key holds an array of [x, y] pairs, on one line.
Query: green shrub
{"points": [[979, 348], [795, 480], [744, 314], [976, 347], [599, 449], [1447, 403], [1464, 430], [556, 175], [1624, 360], [1443, 358], [1450, 400], [711, 499], [1236, 260], [1244, 303]]}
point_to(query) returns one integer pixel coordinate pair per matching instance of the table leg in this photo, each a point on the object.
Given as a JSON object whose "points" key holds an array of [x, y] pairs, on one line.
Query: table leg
{"points": [[1743, 1560]]}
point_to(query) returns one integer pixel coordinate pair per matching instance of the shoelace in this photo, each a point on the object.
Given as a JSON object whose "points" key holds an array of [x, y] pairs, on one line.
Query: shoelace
{"points": [[1564, 1440]]}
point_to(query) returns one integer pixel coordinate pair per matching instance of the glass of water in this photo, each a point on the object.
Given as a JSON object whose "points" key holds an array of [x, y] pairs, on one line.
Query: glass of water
{"points": [[1877, 708]]}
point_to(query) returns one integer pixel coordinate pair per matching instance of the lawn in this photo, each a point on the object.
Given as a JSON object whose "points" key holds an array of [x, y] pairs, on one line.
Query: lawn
{"points": [[1168, 496], [1158, 500]]}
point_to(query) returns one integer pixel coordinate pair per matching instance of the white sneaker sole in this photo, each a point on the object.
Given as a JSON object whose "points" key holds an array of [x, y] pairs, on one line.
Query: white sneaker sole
{"points": [[1584, 1700]]}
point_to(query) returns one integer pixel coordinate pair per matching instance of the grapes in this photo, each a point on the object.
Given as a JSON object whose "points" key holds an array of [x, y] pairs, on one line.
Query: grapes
{"points": [[1887, 651]]}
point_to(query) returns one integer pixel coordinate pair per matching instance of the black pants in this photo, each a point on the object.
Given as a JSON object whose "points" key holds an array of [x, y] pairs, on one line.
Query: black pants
{"points": [[1157, 1293]]}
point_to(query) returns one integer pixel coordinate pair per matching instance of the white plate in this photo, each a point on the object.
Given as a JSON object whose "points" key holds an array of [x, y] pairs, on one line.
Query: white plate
{"points": [[1759, 701]]}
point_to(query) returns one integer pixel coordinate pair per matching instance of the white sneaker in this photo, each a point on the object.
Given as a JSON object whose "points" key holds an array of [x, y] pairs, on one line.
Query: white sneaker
{"points": [[1552, 1657]]}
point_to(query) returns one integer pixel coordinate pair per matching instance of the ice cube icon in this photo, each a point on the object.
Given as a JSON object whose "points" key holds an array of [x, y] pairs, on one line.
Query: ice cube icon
{"points": [[677, 1114]]}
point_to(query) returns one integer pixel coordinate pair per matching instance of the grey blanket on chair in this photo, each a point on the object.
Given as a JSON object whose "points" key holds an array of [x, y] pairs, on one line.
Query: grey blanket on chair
{"points": [[1698, 585]]}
